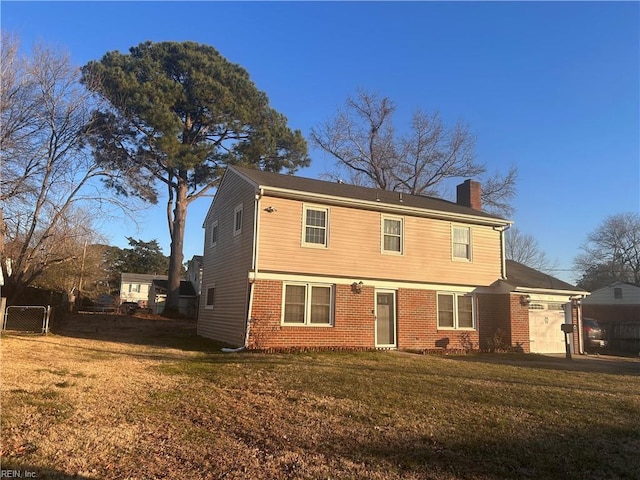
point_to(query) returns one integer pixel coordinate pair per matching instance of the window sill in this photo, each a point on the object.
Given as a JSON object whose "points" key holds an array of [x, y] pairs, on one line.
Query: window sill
{"points": [[307, 325], [454, 329]]}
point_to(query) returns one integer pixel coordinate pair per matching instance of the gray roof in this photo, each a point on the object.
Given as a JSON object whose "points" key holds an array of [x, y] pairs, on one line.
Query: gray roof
{"points": [[343, 190], [186, 287], [140, 278], [520, 275]]}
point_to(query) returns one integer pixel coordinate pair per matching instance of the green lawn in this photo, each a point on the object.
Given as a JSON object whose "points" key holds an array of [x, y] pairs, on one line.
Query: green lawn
{"points": [[129, 410]]}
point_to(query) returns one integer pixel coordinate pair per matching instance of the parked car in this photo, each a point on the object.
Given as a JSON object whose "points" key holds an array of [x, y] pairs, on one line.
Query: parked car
{"points": [[129, 307], [594, 337]]}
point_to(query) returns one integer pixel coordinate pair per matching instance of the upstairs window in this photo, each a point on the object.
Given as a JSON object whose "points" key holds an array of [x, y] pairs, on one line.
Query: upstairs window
{"points": [[392, 233], [316, 221], [461, 243], [237, 220], [134, 288], [617, 293]]}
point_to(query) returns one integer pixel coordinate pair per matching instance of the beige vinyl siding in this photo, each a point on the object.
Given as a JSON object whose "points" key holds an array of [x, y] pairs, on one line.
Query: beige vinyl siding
{"points": [[227, 264], [354, 247]]}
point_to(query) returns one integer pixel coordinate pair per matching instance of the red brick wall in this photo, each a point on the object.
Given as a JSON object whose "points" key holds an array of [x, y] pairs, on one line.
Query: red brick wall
{"points": [[503, 319], [353, 323], [519, 318]]}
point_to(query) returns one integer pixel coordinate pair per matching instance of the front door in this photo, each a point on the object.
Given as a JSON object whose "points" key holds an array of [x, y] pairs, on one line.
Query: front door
{"points": [[385, 319]]}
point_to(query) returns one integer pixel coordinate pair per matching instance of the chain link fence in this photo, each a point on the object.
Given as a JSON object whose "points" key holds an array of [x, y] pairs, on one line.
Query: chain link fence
{"points": [[30, 319]]}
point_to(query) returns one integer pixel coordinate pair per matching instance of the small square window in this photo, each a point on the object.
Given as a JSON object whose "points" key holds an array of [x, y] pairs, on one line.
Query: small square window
{"points": [[211, 298]]}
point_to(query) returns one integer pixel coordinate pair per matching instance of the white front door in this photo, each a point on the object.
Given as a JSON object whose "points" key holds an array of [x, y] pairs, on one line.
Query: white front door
{"points": [[386, 319]]}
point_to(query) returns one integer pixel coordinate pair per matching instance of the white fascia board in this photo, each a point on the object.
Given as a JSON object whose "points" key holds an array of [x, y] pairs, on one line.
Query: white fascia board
{"points": [[368, 282], [551, 291]]}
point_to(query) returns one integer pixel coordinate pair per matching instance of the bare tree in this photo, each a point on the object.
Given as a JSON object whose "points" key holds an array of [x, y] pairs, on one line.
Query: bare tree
{"points": [[362, 139], [524, 248], [48, 176], [612, 250]]}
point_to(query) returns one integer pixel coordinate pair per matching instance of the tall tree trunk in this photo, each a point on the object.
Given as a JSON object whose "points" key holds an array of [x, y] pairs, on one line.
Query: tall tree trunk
{"points": [[177, 245]]}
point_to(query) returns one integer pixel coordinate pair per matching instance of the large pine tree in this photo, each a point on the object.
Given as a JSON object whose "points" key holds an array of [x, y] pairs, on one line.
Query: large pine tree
{"points": [[177, 114]]}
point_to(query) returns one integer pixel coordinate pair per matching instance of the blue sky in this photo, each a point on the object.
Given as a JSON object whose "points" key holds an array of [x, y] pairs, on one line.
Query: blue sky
{"points": [[552, 87]]}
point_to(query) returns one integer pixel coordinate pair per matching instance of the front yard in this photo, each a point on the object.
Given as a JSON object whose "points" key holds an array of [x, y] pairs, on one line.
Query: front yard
{"points": [[112, 397]]}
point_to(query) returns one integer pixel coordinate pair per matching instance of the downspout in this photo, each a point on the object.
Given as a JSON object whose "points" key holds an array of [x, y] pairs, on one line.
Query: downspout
{"points": [[503, 251], [252, 274]]}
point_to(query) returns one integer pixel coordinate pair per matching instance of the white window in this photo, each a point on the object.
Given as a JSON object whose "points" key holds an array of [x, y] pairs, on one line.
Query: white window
{"points": [[237, 220], [307, 304], [134, 288], [461, 243], [316, 226], [455, 311], [211, 297], [214, 233], [392, 234]]}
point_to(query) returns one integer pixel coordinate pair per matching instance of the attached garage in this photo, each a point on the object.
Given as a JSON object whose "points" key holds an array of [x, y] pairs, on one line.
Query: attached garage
{"points": [[545, 333], [543, 304]]}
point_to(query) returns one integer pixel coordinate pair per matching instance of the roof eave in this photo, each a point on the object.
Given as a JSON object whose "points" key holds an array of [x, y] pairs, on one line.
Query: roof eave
{"points": [[550, 291]]}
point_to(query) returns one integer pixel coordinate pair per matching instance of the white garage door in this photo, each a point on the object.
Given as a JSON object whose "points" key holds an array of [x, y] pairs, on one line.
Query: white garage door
{"points": [[545, 334]]}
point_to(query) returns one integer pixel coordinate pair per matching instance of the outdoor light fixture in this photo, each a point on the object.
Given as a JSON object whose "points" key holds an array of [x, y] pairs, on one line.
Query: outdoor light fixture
{"points": [[525, 300], [270, 209], [357, 287]]}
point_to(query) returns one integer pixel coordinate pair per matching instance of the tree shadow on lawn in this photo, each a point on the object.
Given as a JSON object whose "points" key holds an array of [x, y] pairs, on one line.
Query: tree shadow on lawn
{"points": [[175, 333], [583, 452], [578, 363]]}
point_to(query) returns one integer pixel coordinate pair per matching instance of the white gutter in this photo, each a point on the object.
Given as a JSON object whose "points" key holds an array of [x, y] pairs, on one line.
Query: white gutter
{"points": [[549, 291]]}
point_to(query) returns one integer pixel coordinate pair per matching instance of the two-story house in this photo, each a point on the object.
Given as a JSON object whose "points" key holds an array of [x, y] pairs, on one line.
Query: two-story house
{"points": [[297, 262]]}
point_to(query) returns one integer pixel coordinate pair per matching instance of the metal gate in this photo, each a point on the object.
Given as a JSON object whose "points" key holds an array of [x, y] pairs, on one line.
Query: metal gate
{"points": [[32, 319]]}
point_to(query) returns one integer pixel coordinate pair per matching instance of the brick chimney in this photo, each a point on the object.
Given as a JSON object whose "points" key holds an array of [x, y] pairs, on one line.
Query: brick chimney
{"points": [[469, 194]]}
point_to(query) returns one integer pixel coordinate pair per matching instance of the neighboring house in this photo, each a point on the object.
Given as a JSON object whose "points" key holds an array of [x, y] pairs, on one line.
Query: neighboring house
{"points": [[187, 301], [135, 287], [616, 307], [306, 263], [618, 301], [194, 273]]}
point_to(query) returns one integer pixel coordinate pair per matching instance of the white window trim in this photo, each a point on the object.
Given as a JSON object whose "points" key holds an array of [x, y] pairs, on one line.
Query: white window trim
{"points": [[307, 305], [214, 226], [384, 217], [456, 295], [461, 259], [304, 243], [235, 213], [206, 296]]}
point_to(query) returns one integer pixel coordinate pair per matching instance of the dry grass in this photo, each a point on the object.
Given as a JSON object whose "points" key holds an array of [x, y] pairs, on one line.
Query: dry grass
{"points": [[123, 398]]}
